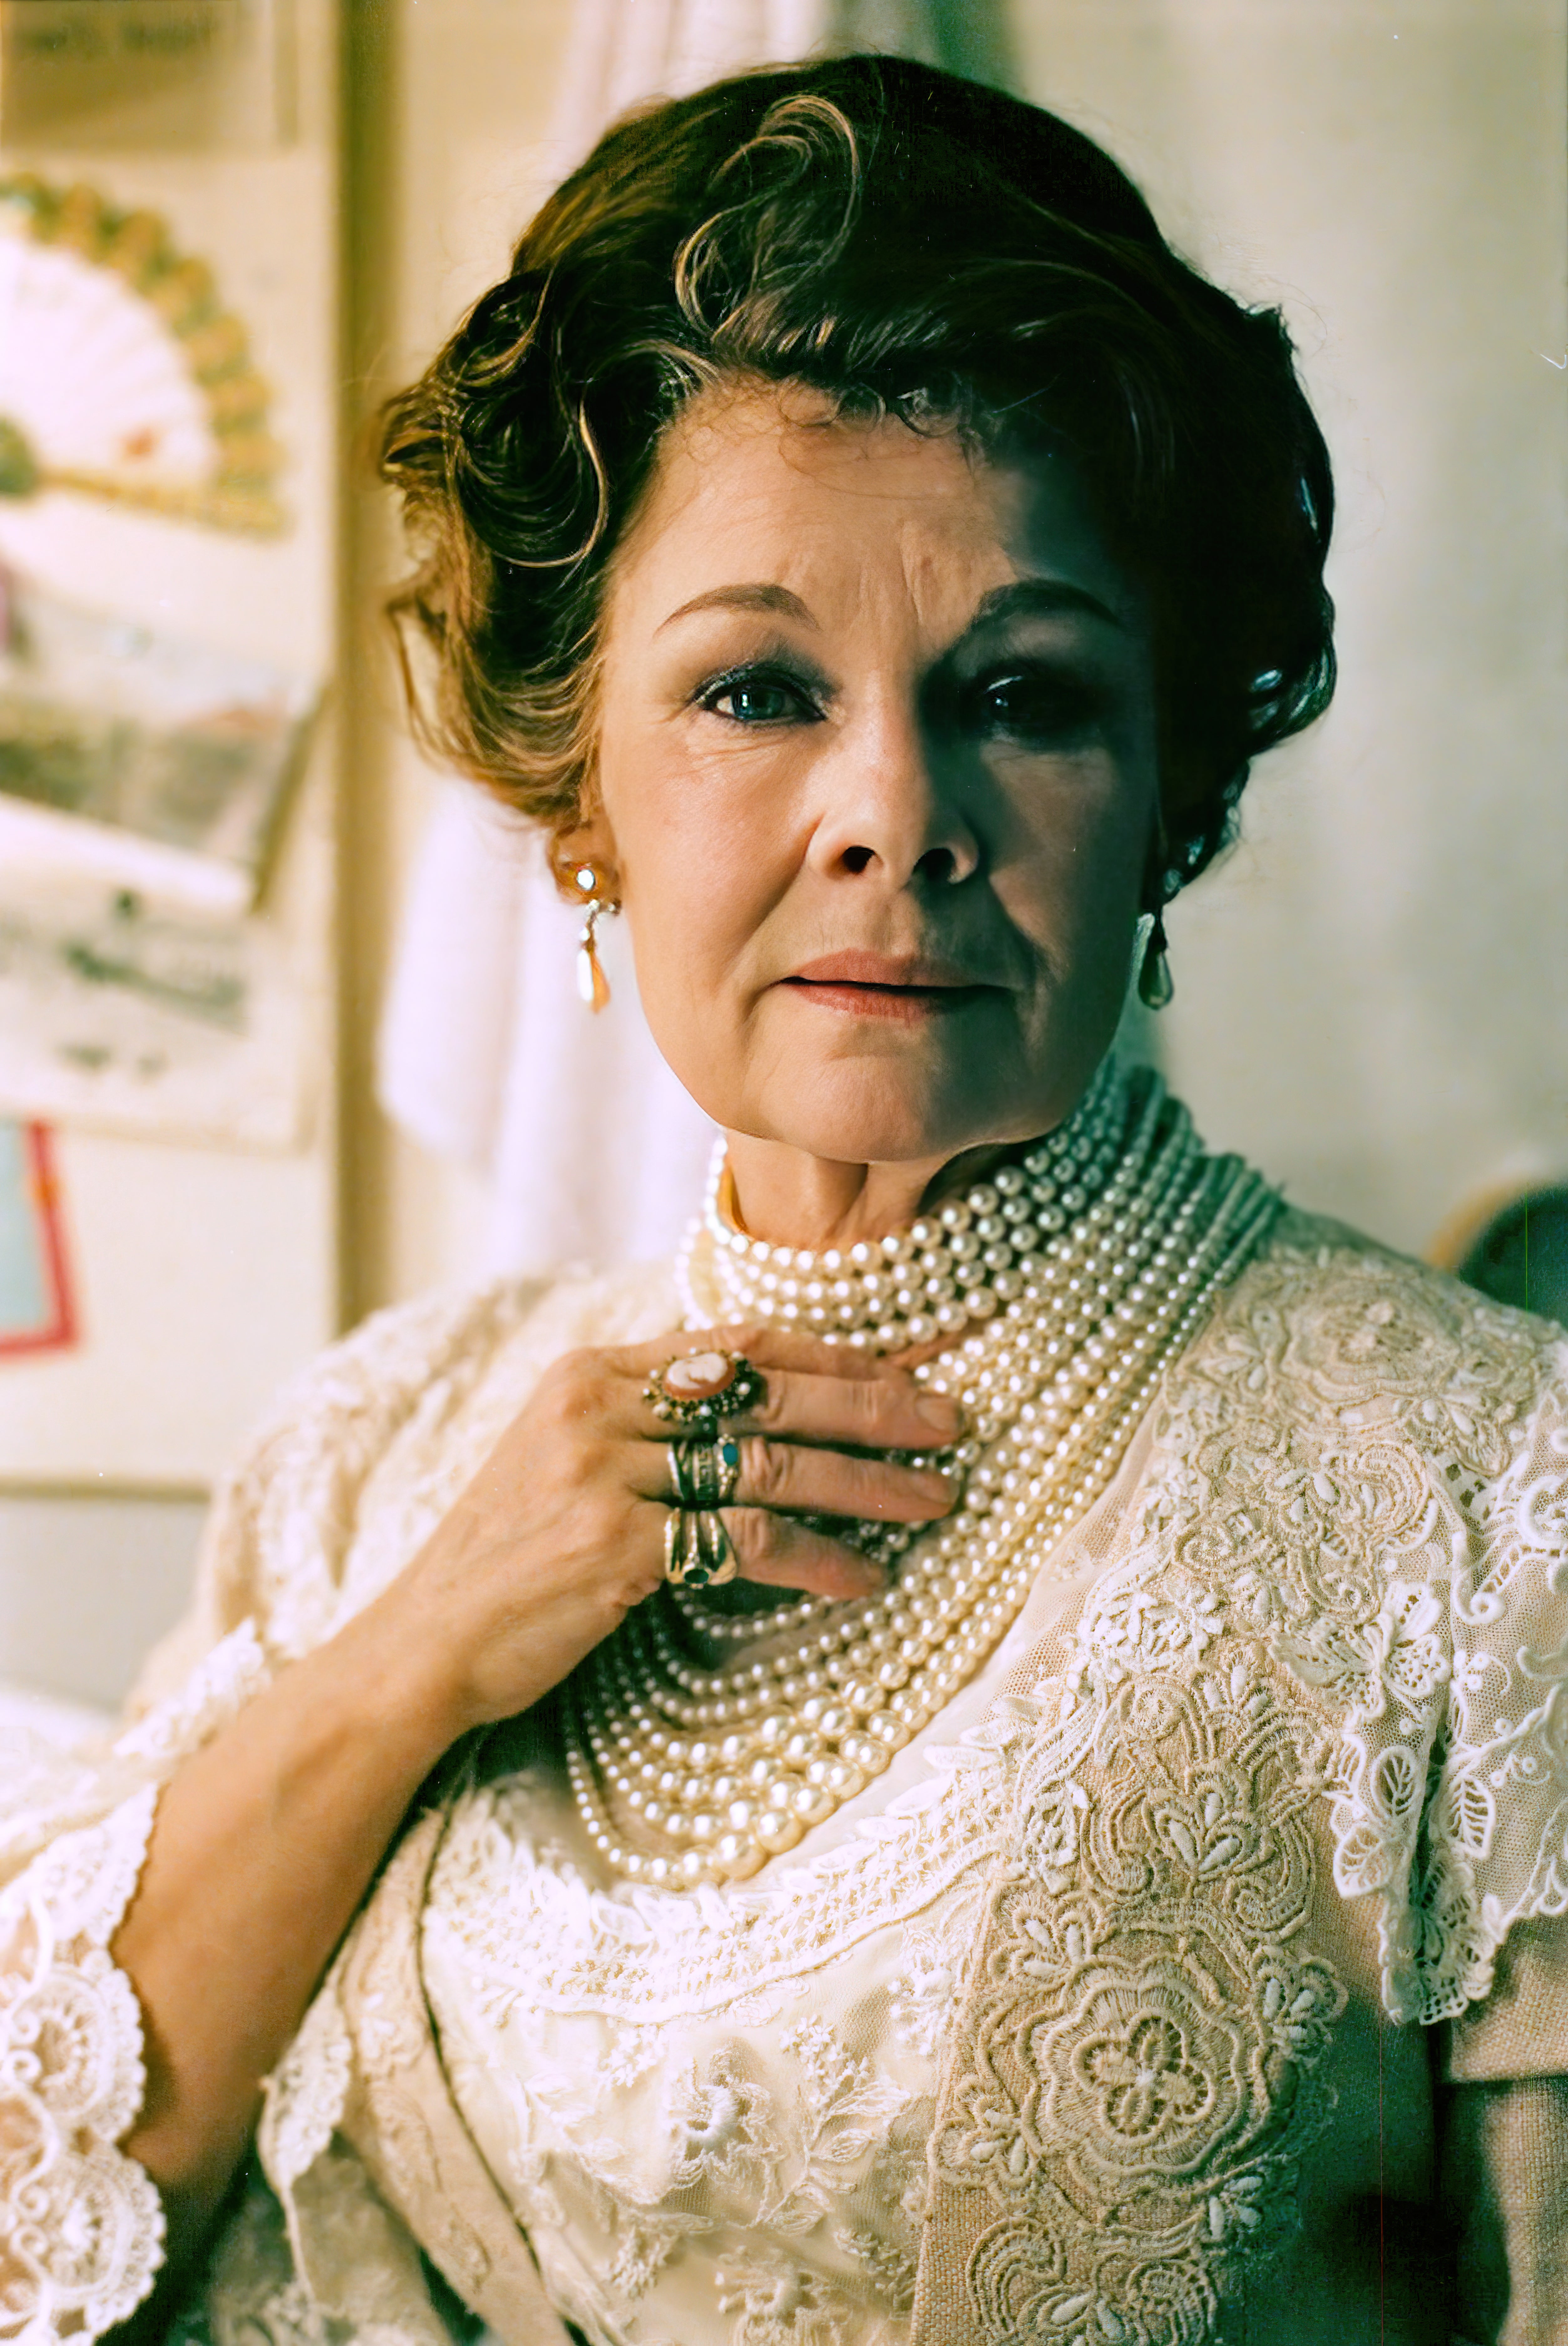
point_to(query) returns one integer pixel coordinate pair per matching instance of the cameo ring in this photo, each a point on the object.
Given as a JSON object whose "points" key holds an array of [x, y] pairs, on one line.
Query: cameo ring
{"points": [[697, 1389]]}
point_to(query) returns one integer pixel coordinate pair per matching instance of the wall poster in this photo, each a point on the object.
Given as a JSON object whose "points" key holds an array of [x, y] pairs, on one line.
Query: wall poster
{"points": [[36, 1314]]}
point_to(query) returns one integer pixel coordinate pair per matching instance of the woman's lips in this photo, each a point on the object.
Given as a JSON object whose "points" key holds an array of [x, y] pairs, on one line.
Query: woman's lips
{"points": [[911, 1005], [905, 989]]}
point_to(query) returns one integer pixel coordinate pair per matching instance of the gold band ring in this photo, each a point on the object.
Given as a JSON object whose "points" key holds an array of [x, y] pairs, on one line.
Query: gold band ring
{"points": [[703, 1474], [696, 1549]]}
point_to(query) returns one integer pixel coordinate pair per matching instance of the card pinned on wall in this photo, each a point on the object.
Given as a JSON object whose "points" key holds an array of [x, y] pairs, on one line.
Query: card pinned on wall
{"points": [[168, 76], [129, 1016], [138, 758], [36, 1313], [142, 785]]}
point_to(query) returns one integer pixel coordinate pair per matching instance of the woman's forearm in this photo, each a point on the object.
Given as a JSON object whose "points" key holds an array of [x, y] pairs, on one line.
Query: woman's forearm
{"points": [[263, 1846], [265, 1841]]}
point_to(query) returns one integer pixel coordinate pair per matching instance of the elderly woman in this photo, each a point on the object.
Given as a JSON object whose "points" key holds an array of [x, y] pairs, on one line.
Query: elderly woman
{"points": [[982, 1759]]}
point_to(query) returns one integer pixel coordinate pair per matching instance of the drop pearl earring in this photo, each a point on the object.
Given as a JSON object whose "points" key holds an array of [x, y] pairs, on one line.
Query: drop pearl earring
{"points": [[593, 985], [1156, 985]]}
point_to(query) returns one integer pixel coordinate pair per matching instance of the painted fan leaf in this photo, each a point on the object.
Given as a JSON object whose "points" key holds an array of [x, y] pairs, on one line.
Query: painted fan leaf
{"points": [[120, 375]]}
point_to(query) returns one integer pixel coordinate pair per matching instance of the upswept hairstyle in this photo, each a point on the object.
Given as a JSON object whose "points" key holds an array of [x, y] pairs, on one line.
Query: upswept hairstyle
{"points": [[908, 244]]}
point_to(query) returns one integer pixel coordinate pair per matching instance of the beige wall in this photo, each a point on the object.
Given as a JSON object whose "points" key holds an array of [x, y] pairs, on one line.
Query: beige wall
{"points": [[1370, 993], [450, 111], [177, 1246], [204, 1276]]}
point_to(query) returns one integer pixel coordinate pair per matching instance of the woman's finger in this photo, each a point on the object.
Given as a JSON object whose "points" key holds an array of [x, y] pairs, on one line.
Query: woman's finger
{"points": [[783, 1554], [807, 1481], [813, 1482], [764, 1344], [803, 1481], [886, 1412], [813, 1392]]}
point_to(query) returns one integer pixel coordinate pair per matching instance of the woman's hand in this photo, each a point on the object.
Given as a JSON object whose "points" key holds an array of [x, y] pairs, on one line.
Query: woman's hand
{"points": [[266, 1839], [562, 1530]]}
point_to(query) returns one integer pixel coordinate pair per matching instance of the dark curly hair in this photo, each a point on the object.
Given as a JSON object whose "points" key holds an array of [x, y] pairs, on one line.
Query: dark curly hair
{"points": [[908, 244]]}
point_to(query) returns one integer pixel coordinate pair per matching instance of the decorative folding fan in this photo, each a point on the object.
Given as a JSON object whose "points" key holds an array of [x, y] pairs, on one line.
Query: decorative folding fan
{"points": [[120, 374]]}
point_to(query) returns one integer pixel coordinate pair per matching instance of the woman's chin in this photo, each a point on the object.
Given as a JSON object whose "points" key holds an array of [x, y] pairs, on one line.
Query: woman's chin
{"points": [[907, 1106], [878, 1131]]}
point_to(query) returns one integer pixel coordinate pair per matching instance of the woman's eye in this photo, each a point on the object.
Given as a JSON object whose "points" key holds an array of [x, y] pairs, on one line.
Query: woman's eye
{"points": [[758, 699], [1034, 708]]}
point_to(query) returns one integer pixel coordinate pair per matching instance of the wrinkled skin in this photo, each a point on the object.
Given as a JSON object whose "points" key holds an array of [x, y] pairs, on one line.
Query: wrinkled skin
{"points": [[868, 696]]}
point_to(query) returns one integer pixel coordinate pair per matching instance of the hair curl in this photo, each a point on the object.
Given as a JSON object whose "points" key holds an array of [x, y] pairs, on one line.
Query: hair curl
{"points": [[908, 244]]}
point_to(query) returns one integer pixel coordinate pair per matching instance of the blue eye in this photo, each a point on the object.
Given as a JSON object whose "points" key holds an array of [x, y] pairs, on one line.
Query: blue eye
{"points": [[759, 696]]}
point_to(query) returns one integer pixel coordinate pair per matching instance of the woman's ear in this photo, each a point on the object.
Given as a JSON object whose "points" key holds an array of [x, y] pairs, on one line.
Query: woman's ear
{"points": [[583, 864]]}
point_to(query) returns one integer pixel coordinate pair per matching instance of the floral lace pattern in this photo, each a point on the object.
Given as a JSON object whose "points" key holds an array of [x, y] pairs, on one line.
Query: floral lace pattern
{"points": [[687, 2097], [1353, 1465], [81, 2230], [1370, 1477], [1135, 2092], [1041, 2055]]}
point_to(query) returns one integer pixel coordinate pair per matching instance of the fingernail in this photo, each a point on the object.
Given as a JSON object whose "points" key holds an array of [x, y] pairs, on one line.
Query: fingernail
{"points": [[944, 1416]]}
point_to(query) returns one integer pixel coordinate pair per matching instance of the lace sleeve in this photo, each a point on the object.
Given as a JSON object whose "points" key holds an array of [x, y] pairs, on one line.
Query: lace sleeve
{"points": [[1496, 1822], [81, 2229]]}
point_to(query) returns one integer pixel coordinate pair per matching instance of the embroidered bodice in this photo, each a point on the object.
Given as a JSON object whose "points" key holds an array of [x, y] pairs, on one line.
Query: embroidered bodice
{"points": [[1092, 2023], [709, 2113], [712, 2114]]}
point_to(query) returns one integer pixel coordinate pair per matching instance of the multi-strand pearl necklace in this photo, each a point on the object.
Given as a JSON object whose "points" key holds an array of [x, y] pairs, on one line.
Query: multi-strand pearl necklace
{"points": [[1067, 1281]]}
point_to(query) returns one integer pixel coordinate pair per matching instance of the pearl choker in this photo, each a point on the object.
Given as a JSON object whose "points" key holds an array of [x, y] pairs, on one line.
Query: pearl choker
{"points": [[1067, 1281]]}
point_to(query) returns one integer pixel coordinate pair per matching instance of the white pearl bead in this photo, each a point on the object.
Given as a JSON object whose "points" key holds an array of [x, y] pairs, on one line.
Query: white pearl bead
{"points": [[889, 1729], [812, 1803]]}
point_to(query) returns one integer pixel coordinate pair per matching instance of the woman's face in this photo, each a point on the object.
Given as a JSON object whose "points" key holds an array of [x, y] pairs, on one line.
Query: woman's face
{"points": [[877, 781]]}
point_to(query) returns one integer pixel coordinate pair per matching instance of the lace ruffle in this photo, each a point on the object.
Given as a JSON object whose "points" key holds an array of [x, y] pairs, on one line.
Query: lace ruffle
{"points": [[1341, 1606], [1365, 1470], [81, 2229]]}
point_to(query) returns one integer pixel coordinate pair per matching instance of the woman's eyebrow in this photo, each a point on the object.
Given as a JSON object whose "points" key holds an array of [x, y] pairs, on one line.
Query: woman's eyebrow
{"points": [[761, 596], [1048, 598]]}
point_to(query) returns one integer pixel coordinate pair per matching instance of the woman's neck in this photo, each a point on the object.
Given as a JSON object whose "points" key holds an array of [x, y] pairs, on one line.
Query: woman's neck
{"points": [[790, 1199]]}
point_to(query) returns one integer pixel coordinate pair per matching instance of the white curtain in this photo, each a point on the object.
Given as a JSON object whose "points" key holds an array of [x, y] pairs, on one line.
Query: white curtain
{"points": [[591, 1151]]}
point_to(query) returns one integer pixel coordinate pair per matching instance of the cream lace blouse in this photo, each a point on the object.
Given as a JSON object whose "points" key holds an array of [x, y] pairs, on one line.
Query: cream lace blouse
{"points": [[1091, 2020]]}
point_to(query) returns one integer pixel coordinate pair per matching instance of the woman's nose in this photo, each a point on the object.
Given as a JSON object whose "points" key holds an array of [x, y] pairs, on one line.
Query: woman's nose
{"points": [[887, 809]]}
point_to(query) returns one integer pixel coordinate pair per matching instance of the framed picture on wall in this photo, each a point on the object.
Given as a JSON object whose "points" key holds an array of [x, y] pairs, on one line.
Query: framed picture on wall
{"points": [[36, 1313]]}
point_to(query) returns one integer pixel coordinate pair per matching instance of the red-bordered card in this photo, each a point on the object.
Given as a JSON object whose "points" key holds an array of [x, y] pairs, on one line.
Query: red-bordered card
{"points": [[36, 1310]]}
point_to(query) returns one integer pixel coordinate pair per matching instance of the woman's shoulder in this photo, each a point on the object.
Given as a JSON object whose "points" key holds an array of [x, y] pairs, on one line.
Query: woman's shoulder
{"points": [[447, 1342], [1364, 1464], [1328, 1327], [1320, 1260], [368, 1443]]}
